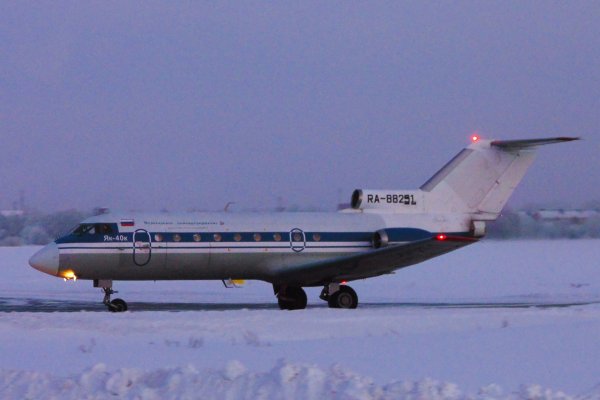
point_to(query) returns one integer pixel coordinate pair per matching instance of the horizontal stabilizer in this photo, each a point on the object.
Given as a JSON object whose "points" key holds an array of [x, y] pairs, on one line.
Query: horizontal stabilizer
{"points": [[520, 144]]}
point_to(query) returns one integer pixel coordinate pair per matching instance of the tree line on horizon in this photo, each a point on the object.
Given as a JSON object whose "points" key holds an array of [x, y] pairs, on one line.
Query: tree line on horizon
{"points": [[37, 228]]}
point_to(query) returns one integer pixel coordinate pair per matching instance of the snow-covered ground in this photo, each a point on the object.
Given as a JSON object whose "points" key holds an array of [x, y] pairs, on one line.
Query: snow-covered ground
{"points": [[515, 319]]}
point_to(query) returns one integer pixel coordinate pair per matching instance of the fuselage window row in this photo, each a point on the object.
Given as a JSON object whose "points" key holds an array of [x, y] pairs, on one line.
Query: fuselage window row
{"points": [[108, 229]]}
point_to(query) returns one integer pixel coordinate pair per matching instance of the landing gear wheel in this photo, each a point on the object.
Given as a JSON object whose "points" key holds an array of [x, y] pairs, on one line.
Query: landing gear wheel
{"points": [[117, 305], [345, 297], [293, 298]]}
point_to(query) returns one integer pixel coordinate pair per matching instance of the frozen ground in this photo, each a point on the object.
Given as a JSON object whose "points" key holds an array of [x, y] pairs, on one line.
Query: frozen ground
{"points": [[496, 320]]}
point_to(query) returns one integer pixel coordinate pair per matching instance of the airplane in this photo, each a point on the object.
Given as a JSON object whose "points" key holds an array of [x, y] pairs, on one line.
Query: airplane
{"points": [[381, 232]]}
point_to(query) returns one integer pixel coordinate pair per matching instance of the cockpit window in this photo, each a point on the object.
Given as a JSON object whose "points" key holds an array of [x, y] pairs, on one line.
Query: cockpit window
{"points": [[92, 229], [104, 229], [84, 229]]}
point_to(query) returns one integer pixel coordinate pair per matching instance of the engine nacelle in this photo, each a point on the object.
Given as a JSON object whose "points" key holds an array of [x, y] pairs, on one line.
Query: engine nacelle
{"points": [[398, 200], [392, 236], [380, 239]]}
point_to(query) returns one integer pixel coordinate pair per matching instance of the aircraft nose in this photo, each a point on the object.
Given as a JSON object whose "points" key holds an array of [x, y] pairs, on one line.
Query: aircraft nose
{"points": [[46, 260]]}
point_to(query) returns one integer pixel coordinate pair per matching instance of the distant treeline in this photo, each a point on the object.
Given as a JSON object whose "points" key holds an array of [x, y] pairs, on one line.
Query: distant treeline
{"points": [[37, 228], [522, 224]]}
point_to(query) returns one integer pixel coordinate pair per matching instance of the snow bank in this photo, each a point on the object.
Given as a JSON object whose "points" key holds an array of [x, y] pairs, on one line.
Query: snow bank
{"points": [[283, 381], [399, 332]]}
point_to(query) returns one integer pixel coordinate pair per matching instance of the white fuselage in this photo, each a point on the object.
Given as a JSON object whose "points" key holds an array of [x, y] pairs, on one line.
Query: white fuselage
{"points": [[232, 245]]}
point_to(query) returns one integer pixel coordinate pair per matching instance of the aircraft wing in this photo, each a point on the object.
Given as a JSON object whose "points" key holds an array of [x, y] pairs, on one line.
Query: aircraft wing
{"points": [[369, 263]]}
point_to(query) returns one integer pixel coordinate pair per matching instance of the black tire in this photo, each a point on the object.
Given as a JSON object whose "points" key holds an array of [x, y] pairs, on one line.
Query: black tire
{"points": [[117, 305], [294, 298], [345, 297]]}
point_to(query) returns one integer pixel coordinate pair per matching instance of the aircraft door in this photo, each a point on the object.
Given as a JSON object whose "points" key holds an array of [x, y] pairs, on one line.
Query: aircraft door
{"points": [[142, 247], [297, 240]]}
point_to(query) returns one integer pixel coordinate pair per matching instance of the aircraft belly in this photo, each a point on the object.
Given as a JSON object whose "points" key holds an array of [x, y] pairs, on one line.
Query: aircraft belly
{"points": [[259, 266], [191, 265], [186, 266]]}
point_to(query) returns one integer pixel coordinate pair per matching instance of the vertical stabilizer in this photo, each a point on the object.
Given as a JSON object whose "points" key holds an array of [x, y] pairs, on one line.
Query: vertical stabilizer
{"points": [[482, 177]]}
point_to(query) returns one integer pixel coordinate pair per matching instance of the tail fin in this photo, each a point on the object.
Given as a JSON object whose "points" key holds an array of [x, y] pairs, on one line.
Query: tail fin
{"points": [[482, 177]]}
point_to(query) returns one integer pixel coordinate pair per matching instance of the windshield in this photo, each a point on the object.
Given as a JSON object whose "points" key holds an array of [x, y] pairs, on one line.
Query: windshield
{"points": [[92, 229]]}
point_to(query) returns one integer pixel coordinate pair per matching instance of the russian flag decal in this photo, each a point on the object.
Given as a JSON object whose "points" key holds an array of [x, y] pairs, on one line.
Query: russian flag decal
{"points": [[127, 222]]}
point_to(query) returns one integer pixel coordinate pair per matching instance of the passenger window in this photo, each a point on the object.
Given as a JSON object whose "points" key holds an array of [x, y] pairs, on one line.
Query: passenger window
{"points": [[316, 237], [197, 237], [237, 237], [277, 237], [217, 237], [158, 237], [257, 237], [177, 237], [297, 237]]}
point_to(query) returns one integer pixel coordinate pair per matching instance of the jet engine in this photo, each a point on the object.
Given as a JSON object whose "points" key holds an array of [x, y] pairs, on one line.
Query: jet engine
{"points": [[380, 239]]}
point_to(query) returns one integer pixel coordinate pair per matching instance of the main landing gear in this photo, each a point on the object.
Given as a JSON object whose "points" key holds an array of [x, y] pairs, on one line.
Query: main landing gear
{"points": [[290, 297], [116, 305], [339, 296], [336, 296]]}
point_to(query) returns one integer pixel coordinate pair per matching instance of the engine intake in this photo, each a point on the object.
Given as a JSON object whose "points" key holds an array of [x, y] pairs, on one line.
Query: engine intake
{"points": [[356, 199], [380, 239]]}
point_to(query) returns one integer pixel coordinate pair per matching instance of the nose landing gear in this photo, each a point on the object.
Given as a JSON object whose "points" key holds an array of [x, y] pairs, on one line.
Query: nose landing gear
{"points": [[116, 305]]}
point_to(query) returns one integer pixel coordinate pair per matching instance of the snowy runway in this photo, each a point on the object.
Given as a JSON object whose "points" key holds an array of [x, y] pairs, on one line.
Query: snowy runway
{"points": [[8, 304], [502, 313]]}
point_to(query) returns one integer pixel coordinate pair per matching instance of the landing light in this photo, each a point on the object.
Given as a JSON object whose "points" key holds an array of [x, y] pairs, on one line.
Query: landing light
{"points": [[69, 276]]}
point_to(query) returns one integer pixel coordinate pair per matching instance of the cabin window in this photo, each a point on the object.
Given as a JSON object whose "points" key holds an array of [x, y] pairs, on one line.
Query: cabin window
{"points": [[277, 237], [237, 237], [158, 237], [217, 237], [177, 237], [316, 237], [257, 237], [297, 237], [197, 237]]}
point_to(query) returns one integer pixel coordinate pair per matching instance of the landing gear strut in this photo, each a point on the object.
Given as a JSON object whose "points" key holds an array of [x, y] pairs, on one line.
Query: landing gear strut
{"points": [[290, 297], [339, 296], [116, 305]]}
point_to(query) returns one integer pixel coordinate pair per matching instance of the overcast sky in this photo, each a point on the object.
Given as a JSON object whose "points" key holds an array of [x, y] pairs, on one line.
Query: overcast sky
{"points": [[185, 105]]}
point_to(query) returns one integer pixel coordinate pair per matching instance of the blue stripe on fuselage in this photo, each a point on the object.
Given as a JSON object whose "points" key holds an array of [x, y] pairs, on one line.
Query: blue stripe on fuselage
{"points": [[394, 235]]}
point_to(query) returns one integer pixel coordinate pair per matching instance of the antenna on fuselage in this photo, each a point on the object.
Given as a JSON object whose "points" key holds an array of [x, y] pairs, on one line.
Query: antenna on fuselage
{"points": [[227, 205]]}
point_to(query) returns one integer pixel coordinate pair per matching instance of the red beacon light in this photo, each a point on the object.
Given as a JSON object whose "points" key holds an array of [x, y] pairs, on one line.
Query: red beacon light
{"points": [[475, 138], [441, 236]]}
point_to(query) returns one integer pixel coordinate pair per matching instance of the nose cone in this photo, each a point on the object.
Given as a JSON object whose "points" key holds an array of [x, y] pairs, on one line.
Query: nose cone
{"points": [[46, 260]]}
